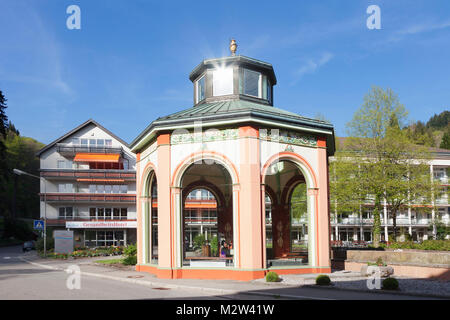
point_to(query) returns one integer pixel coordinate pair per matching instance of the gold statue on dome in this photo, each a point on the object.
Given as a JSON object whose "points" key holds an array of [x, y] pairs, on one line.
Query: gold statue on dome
{"points": [[233, 47]]}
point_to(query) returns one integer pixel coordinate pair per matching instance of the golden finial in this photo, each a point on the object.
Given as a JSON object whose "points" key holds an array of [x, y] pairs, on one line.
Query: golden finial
{"points": [[233, 47]]}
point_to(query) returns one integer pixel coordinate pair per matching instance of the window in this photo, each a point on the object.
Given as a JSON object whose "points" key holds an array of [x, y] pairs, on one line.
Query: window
{"points": [[93, 213], [92, 142], [251, 83], [100, 188], [108, 189], [108, 142], [104, 238], [61, 164], [66, 213], [92, 188], [108, 213], [222, 81], [123, 213], [84, 142], [116, 213], [201, 89], [100, 143], [69, 164], [123, 188], [76, 141], [65, 187]]}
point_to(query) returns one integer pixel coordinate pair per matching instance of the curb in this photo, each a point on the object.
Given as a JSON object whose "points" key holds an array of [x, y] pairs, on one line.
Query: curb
{"points": [[228, 291], [174, 286], [380, 291]]}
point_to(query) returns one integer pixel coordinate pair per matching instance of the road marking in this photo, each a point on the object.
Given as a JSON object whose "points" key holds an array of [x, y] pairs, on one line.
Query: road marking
{"points": [[183, 287], [6, 258]]}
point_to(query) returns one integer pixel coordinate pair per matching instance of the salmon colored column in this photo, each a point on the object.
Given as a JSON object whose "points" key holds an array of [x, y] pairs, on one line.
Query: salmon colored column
{"points": [[250, 223], [323, 227], [138, 211], [164, 216]]}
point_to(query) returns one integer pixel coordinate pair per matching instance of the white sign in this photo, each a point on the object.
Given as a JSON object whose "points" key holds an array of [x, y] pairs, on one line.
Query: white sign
{"points": [[100, 224], [63, 241]]}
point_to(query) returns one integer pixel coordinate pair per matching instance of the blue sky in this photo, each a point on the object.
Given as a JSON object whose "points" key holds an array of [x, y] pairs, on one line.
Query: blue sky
{"points": [[129, 63]]}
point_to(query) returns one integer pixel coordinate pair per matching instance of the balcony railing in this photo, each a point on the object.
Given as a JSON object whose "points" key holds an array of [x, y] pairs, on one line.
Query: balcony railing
{"points": [[399, 221], [88, 197], [69, 149], [88, 174], [200, 220], [89, 218]]}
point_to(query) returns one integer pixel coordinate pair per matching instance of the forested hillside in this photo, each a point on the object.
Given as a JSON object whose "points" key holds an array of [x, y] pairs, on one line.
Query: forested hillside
{"points": [[434, 133]]}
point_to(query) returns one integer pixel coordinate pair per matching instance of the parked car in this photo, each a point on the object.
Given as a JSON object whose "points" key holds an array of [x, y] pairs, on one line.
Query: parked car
{"points": [[29, 245]]}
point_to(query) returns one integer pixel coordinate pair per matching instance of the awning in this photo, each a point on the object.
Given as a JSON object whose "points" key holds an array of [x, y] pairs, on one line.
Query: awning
{"points": [[95, 157]]}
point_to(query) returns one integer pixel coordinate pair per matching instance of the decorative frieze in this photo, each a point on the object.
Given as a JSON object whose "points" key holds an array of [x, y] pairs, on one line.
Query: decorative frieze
{"points": [[204, 136], [288, 137]]}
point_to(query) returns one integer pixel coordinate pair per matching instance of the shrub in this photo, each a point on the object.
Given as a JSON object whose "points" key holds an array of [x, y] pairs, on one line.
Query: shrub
{"points": [[130, 255], [390, 284], [438, 245], [215, 246], [323, 280], [272, 277], [50, 244], [199, 241], [129, 261]]}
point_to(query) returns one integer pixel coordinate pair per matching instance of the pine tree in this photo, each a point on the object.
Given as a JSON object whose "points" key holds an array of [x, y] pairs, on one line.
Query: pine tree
{"points": [[3, 117], [3, 130]]}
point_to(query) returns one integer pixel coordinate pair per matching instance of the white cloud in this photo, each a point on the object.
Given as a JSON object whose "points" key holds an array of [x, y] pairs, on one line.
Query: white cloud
{"points": [[424, 28], [312, 65]]}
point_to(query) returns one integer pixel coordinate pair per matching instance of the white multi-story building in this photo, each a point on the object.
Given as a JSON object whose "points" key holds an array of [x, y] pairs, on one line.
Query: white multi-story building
{"points": [[89, 186], [357, 226]]}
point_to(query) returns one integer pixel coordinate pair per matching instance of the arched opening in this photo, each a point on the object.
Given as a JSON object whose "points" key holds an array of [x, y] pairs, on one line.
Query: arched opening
{"points": [[207, 216], [287, 219], [150, 219]]}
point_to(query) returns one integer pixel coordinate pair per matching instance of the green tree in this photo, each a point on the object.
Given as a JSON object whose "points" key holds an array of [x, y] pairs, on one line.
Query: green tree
{"points": [[18, 195], [379, 163], [3, 129], [445, 143]]}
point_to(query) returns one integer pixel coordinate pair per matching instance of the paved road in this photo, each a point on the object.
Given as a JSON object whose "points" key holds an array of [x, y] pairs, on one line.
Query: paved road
{"points": [[22, 280]]}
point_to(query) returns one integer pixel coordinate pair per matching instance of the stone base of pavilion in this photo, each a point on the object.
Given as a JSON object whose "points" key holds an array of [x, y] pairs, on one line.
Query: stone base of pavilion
{"points": [[225, 274]]}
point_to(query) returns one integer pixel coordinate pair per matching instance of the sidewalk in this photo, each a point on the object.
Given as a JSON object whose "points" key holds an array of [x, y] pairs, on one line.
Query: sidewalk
{"points": [[289, 288]]}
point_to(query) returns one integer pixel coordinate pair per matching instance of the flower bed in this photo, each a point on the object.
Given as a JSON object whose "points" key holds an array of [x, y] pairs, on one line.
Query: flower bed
{"points": [[86, 252]]}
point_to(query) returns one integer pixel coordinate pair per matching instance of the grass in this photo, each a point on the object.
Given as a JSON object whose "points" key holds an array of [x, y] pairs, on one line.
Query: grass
{"points": [[109, 261]]}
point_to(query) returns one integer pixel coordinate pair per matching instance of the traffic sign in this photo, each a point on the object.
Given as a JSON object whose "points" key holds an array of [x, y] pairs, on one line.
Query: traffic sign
{"points": [[39, 224]]}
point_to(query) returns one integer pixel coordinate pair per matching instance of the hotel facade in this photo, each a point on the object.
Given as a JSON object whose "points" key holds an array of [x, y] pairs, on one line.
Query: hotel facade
{"points": [[352, 228], [89, 186]]}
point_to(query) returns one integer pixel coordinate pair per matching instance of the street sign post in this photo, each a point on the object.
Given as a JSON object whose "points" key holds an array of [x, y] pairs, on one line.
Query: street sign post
{"points": [[38, 225]]}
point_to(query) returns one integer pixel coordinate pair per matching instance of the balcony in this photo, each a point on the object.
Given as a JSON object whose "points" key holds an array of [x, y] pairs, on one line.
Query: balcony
{"points": [[126, 175], [70, 149], [200, 220], [88, 197], [369, 221]]}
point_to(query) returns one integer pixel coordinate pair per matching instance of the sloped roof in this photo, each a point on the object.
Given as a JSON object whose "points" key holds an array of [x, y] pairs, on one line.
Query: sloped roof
{"points": [[229, 106], [73, 131], [234, 110]]}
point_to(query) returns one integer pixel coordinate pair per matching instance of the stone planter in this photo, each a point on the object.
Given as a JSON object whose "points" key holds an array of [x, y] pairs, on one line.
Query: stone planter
{"points": [[384, 272]]}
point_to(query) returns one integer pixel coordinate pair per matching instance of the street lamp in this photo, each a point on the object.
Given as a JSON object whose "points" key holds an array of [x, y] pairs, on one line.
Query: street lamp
{"points": [[20, 173]]}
